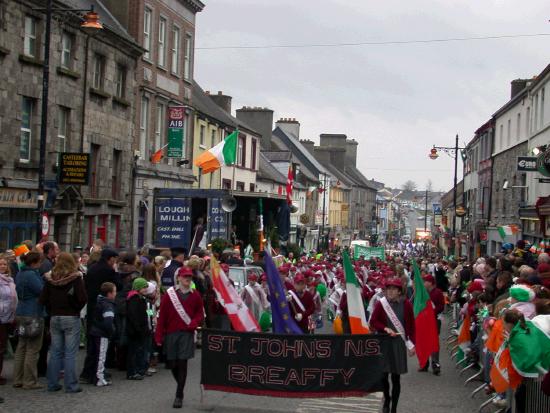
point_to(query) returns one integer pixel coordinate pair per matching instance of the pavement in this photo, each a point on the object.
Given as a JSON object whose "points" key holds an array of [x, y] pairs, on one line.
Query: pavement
{"points": [[421, 393]]}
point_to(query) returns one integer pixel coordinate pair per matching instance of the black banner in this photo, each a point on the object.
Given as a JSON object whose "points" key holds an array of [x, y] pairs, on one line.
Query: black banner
{"points": [[293, 365]]}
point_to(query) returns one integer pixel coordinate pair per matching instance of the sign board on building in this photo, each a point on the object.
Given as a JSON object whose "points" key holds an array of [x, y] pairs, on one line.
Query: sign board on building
{"points": [[527, 164], [172, 222], [369, 252], [437, 208], [438, 220], [543, 163], [74, 168], [176, 131], [17, 198], [217, 220]]}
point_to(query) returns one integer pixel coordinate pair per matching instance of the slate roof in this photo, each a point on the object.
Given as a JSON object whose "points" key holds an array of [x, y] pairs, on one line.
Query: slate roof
{"points": [[357, 176], [105, 17], [294, 145], [268, 172], [205, 105]]}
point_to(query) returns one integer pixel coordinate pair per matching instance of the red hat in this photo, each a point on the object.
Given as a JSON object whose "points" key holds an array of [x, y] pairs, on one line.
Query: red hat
{"points": [[475, 285], [252, 276], [293, 268], [299, 278], [185, 272], [543, 267], [263, 277], [429, 277], [283, 270], [394, 282]]}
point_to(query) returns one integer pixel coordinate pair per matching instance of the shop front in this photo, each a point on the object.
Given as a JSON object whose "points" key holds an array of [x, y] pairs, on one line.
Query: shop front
{"points": [[17, 216]]}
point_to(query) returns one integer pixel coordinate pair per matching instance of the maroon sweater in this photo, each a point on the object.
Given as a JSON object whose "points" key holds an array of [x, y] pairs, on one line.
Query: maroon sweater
{"points": [[309, 305], [379, 320], [169, 321]]}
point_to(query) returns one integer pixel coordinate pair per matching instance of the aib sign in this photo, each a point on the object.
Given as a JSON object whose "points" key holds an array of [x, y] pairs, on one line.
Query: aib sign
{"points": [[527, 164]]}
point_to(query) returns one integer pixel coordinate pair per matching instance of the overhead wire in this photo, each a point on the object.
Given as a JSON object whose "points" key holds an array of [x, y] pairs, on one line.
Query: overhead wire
{"points": [[373, 43]]}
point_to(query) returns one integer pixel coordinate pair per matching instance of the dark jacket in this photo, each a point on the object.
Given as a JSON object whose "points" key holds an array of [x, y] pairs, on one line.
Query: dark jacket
{"points": [[137, 320], [103, 324], [65, 296], [168, 274], [28, 285], [98, 273], [46, 266]]}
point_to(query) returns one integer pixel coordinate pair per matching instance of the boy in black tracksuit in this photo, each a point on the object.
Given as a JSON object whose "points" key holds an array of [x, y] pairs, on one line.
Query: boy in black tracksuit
{"points": [[102, 330], [138, 329]]}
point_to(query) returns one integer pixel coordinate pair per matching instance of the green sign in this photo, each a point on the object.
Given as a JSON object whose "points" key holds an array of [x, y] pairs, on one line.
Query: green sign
{"points": [[369, 252], [176, 136]]}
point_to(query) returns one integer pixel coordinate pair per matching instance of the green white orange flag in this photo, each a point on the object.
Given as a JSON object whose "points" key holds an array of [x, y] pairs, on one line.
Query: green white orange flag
{"points": [[530, 346], [356, 309], [464, 334], [503, 375], [427, 339], [224, 153]]}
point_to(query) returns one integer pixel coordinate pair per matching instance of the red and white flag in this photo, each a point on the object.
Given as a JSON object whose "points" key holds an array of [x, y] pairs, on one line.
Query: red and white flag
{"points": [[240, 316], [289, 185]]}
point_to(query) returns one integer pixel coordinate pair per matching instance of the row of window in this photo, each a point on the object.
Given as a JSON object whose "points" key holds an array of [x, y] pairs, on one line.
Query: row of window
{"points": [[63, 131], [26, 137], [30, 49], [534, 121], [167, 40]]}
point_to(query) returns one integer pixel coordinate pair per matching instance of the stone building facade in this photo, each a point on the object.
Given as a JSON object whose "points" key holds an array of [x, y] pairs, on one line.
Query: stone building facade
{"points": [[165, 29], [90, 109]]}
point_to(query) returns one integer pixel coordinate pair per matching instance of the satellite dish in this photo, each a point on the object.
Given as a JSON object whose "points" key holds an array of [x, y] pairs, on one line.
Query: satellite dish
{"points": [[229, 204]]}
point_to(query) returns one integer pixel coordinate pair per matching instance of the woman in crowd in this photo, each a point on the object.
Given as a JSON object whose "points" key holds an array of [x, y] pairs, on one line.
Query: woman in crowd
{"points": [[8, 305], [64, 296], [29, 318], [393, 315], [181, 312]]}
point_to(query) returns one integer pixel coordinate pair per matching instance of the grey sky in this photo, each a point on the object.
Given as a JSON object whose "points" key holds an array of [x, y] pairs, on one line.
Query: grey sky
{"points": [[395, 100]]}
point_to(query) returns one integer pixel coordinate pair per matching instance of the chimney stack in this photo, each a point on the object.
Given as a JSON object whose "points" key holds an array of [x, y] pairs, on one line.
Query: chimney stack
{"points": [[261, 119], [517, 85], [337, 140], [309, 145], [289, 125], [351, 152], [223, 101]]}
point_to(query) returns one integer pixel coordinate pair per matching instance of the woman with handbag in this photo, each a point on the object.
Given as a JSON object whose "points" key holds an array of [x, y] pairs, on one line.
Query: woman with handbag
{"points": [[8, 304], [64, 296], [29, 318]]}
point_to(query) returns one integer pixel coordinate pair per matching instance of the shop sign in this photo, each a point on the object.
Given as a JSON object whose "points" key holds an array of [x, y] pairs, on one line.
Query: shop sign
{"points": [[172, 222], [437, 220], [217, 220], [17, 198], [527, 164], [74, 168], [176, 128]]}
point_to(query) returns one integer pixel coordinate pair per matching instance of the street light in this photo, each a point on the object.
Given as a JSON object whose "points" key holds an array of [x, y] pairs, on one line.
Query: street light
{"points": [[90, 23], [453, 153]]}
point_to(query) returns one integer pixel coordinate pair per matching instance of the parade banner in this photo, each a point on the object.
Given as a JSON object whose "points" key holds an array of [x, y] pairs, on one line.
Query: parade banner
{"points": [[293, 365], [368, 252]]}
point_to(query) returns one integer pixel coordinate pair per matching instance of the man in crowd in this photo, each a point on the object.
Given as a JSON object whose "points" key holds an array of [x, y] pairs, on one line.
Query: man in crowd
{"points": [[168, 276]]}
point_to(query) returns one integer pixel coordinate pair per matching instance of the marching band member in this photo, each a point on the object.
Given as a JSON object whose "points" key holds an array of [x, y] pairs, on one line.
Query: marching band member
{"points": [[301, 303]]}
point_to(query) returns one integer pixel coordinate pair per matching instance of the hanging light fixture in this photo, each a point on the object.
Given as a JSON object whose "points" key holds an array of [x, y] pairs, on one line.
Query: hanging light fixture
{"points": [[433, 154], [91, 21]]}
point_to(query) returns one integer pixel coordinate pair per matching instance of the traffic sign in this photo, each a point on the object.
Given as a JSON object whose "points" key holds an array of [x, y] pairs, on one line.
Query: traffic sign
{"points": [[45, 225]]}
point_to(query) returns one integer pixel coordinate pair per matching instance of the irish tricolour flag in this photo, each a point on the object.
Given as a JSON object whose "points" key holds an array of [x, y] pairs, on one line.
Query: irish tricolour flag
{"points": [[425, 322], [507, 230], [356, 310], [224, 153]]}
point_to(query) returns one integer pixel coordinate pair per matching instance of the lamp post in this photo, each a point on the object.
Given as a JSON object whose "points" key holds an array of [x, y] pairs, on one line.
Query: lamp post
{"points": [[322, 229], [91, 22], [453, 153]]}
